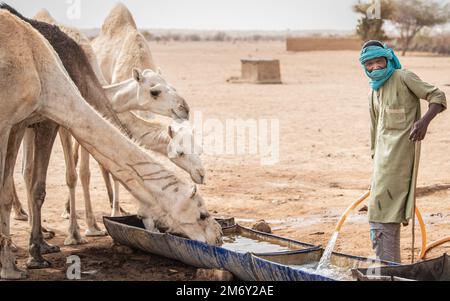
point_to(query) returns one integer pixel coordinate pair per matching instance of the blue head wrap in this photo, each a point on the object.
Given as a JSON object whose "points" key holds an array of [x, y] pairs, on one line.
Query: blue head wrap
{"points": [[379, 77]]}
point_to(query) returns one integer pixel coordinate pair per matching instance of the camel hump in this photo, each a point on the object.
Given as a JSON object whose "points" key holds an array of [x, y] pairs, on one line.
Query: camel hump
{"points": [[18, 42], [10, 25], [44, 16], [119, 18], [6, 20], [135, 52]]}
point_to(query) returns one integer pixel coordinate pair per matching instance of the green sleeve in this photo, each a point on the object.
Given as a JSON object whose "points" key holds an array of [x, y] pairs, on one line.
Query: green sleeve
{"points": [[424, 90]]}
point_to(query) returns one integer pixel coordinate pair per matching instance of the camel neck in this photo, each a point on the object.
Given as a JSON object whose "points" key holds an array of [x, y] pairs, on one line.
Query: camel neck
{"points": [[130, 164], [122, 95], [151, 134]]}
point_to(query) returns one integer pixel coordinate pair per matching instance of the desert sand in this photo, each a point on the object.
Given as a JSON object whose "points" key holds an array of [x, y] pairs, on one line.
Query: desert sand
{"points": [[324, 162]]}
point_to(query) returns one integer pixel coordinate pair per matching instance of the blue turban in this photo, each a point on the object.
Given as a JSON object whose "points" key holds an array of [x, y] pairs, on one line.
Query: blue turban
{"points": [[379, 77]]}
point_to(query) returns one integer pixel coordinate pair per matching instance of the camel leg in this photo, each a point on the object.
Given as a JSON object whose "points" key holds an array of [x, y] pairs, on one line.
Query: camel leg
{"points": [[116, 202], [74, 236], [4, 137], [27, 172], [108, 184], [76, 148], [113, 196], [45, 134], [9, 269], [85, 176], [27, 164], [19, 213]]}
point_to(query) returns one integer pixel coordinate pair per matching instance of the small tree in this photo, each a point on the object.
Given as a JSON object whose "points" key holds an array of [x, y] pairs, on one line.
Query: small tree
{"points": [[411, 16], [371, 28]]}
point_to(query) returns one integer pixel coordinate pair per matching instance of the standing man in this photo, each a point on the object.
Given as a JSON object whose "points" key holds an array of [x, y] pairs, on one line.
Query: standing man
{"points": [[396, 124]]}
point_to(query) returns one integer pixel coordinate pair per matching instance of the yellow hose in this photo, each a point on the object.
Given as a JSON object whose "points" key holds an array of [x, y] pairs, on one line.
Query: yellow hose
{"points": [[433, 245], [350, 209], [418, 214], [423, 233]]}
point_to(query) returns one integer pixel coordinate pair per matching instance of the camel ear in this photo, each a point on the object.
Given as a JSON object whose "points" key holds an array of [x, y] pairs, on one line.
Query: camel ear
{"points": [[137, 75], [193, 192], [171, 132]]}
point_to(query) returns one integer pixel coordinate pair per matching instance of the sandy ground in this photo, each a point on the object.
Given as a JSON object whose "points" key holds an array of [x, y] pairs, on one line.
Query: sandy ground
{"points": [[324, 161]]}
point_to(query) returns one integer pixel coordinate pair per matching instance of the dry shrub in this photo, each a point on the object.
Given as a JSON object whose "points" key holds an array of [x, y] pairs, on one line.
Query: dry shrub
{"points": [[436, 43]]}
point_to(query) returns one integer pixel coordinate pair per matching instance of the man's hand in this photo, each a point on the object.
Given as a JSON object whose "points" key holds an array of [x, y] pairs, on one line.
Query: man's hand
{"points": [[420, 127], [419, 130]]}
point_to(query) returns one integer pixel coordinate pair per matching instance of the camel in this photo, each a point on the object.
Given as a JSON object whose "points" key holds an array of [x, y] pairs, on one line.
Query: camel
{"points": [[44, 16], [123, 98], [154, 135], [46, 90], [147, 90], [77, 65], [120, 46]]}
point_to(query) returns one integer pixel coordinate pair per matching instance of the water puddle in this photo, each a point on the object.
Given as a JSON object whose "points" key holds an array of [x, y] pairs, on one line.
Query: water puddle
{"points": [[330, 271], [242, 244]]}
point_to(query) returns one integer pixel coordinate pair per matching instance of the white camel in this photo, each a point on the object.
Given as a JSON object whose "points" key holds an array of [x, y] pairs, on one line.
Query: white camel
{"points": [[146, 91], [47, 90], [118, 47]]}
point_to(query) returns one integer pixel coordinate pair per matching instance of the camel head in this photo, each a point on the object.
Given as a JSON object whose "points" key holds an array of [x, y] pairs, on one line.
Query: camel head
{"points": [[158, 96], [184, 151], [187, 218]]}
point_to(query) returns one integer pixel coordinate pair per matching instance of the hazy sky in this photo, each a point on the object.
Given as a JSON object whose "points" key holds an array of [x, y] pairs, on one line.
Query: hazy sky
{"points": [[205, 14]]}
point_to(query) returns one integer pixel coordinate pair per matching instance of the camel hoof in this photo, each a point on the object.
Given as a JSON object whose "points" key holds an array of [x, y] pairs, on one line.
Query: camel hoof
{"points": [[13, 274], [48, 249], [21, 216], [123, 212], [14, 248], [47, 234], [94, 232], [37, 264], [65, 214], [116, 213], [74, 240]]}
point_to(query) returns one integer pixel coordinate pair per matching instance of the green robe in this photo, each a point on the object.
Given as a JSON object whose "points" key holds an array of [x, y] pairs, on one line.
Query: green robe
{"points": [[392, 118]]}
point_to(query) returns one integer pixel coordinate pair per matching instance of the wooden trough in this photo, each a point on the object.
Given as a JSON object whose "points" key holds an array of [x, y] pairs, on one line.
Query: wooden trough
{"points": [[259, 71]]}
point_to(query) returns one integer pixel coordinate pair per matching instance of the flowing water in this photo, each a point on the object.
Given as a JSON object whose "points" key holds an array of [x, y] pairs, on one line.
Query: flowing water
{"points": [[330, 271], [243, 244], [325, 260]]}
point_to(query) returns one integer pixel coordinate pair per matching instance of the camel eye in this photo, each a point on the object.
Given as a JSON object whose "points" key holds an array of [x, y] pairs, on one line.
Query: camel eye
{"points": [[155, 93], [204, 216]]}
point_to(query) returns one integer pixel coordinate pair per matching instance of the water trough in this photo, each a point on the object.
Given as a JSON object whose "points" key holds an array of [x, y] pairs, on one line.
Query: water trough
{"points": [[250, 255], [437, 269]]}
